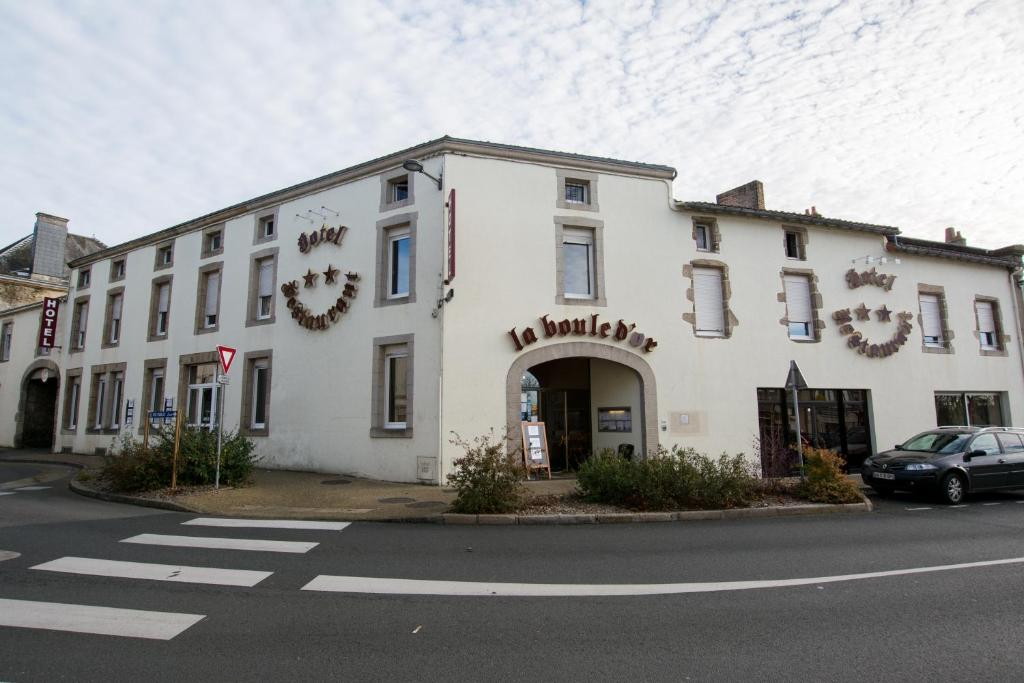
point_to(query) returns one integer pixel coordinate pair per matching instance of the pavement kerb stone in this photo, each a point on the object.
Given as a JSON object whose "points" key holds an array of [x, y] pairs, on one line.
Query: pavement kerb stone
{"points": [[131, 500], [63, 463], [456, 518], [697, 515], [486, 520]]}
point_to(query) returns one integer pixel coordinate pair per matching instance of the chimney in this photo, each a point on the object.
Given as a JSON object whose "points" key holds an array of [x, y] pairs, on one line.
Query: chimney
{"points": [[49, 239], [953, 236], [749, 196]]}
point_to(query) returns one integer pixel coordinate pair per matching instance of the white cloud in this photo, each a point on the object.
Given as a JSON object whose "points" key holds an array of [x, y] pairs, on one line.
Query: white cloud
{"points": [[131, 118]]}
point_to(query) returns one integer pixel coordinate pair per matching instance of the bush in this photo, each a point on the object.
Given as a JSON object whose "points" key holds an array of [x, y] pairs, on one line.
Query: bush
{"points": [[825, 481], [680, 478], [487, 479], [130, 469]]}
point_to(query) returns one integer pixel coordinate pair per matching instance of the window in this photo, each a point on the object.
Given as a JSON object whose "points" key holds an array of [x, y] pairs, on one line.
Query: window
{"points": [[6, 336], [392, 387], [702, 236], [708, 302], [201, 397], [116, 396], [1011, 443], [931, 320], [73, 384], [988, 325], [396, 260], [398, 189], [578, 247], [153, 384], [160, 308], [799, 312], [79, 319], [793, 246], [156, 391], [208, 298], [112, 326], [968, 409], [255, 418], [212, 243], [83, 278], [117, 270], [164, 256], [265, 291], [99, 397], [577, 190]]}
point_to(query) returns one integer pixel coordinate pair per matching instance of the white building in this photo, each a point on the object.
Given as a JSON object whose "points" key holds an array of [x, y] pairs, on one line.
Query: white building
{"points": [[376, 311]]}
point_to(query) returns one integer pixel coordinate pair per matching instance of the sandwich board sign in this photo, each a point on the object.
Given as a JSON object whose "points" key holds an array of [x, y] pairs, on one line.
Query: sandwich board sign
{"points": [[535, 447]]}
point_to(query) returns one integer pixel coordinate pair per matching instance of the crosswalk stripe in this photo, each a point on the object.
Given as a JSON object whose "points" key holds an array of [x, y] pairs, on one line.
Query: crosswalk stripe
{"points": [[107, 621], [154, 572], [266, 523], [223, 543]]}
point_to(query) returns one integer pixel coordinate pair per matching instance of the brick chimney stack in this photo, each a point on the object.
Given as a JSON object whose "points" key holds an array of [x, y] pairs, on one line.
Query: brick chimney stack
{"points": [[749, 196], [49, 238], [953, 236]]}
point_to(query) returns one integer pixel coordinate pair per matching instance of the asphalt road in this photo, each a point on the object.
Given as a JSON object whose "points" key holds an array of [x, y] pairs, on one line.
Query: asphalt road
{"points": [[937, 625]]}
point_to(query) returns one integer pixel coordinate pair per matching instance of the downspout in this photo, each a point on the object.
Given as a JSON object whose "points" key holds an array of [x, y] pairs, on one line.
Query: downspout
{"points": [[440, 314], [1017, 287]]}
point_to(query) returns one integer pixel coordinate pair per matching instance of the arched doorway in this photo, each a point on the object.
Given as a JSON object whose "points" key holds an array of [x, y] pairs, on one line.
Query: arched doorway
{"points": [[36, 420], [590, 397]]}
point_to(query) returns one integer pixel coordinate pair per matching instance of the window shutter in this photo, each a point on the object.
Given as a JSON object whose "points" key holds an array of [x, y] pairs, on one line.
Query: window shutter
{"points": [[931, 317], [707, 300], [165, 297], [115, 312], [798, 299], [212, 292], [986, 318], [266, 276]]}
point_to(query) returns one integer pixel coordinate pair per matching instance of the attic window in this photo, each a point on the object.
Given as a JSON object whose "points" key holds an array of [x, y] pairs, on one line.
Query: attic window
{"points": [[83, 278]]}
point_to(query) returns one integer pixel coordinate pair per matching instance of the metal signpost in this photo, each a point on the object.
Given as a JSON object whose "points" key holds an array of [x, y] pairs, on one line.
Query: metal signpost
{"points": [[226, 355], [795, 382]]}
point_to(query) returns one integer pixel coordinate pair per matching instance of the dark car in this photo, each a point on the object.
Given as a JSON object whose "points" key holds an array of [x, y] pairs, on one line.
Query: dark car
{"points": [[950, 461]]}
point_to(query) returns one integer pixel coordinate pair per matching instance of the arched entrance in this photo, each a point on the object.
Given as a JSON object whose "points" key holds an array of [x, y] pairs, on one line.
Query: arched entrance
{"points": [[36, 419], [590, 397]]}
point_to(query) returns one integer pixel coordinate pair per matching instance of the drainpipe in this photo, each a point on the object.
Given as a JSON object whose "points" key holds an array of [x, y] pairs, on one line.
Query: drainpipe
{"points": [[1017, 287]]}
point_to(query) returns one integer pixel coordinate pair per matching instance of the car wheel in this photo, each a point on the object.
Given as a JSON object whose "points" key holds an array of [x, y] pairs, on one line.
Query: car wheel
{"points": [[883, 491], [953, 489]]}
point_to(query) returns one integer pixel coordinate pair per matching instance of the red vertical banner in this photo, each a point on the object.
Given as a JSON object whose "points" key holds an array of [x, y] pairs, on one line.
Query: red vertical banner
{"points": [[48, 322], [451, 236]]}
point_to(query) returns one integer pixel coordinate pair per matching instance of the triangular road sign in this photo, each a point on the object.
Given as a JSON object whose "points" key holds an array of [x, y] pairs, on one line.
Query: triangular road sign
{"points": [[227, 354], [795, 377]]}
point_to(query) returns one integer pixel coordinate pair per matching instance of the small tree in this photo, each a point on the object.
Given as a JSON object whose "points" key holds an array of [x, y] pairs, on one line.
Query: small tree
{"points": [[488, 478], [825, 482]]}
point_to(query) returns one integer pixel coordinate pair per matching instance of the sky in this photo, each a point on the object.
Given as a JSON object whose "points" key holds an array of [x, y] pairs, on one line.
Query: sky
{"points": [[129, 117]]}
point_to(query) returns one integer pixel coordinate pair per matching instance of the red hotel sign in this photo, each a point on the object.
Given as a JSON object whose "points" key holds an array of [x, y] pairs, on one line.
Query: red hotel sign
{"points": [[48, 323]]}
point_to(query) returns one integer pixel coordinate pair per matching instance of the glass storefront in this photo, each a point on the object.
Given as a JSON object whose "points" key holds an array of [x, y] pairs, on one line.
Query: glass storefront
{"points": [[836, 419], [968, 409]]}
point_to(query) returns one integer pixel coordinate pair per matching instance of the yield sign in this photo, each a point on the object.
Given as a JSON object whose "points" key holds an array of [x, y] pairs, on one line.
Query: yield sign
{"points": [[227, 354]]}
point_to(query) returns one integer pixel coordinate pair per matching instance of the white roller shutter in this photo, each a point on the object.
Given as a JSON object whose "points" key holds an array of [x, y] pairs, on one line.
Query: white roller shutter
{"points": [[707, 302], [115, 312], [931, 318], [165, 298], [986, 317], [798, 299], [212, 293], [266, 277]]}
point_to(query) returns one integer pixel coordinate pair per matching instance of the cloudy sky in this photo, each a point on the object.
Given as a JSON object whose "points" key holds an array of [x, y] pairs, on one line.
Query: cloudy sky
{"points": [[128, 117]]}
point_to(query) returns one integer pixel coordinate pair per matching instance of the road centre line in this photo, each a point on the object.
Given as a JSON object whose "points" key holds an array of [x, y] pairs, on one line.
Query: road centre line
{"points": [[108, 621], [988, 504], [223, 543], [33, 488], [266, 523], [6, 493], [913, 509], [365, 584], [155, 572]]}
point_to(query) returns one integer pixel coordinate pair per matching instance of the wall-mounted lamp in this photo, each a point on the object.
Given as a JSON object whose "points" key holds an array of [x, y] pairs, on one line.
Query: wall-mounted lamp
{"points": [[880, 260], [416, 167], [305, 218]]}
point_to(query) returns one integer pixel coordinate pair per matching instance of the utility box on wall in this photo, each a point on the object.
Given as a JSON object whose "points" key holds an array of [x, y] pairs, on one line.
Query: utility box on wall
{"points": [[426, 469]]}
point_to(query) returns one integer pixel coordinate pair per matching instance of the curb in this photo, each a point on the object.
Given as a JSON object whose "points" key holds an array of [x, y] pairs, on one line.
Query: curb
{"points": [[650, 517], [130, 500], [61, 463]]}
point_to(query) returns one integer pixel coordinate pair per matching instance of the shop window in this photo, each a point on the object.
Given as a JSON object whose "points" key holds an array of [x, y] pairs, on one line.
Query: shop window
{"points": [[6, 337], [396, 261], [255, 415], [79, 322], [164, 256], [262, 281], [160, 308], [72, 393], [393, 386], [708, 302], [956, 409], [208, 298], [117, 270], [112, 318], [799, 308], [577, 190]]}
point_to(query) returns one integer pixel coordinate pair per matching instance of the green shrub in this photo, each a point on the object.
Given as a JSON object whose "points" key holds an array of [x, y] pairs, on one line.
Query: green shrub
{"points": [[825, 481], [128, 468], [680, 478], [487, 479]]}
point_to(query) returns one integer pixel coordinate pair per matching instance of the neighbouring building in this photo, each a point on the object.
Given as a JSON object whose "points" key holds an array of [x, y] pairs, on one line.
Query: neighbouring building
{"points": [[460, 286]]}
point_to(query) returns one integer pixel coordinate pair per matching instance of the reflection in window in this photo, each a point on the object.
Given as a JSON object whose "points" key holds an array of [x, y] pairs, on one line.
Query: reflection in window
{"points": [[963, 409]]}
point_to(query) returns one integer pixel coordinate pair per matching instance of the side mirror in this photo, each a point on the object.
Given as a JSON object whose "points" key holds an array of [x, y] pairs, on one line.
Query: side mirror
{"points": [[973, 454], [898, 447]]}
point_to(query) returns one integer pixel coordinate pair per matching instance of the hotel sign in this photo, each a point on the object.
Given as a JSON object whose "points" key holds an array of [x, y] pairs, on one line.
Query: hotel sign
{"points": [[856, 340], [300, 313], [48, 323], [583, 327]]}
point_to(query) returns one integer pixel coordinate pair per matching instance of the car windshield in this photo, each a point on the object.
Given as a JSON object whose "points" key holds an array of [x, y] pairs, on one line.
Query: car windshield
{"points": [[936, 442]]}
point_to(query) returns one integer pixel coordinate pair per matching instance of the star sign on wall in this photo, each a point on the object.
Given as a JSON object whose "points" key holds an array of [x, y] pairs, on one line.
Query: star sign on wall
{"points": [[310, 278], [330, 275], [883, 314], [862, 312]]}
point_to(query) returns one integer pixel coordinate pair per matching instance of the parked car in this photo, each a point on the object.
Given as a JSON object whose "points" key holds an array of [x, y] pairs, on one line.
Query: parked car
{"points": [[950, 461]]}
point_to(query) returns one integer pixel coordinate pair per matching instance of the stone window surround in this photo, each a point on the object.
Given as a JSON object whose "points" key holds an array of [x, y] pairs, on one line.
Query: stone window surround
{"points": [[4, 326], [204, 252], [108, 313], [184, 361], [114, 277], [691, 317], [816, 304], [947, 334], [385, 183], [76, 323], [154, 303], [157, 262], [69, 375], [248, 364], [384, 228], [107, 369], [378, 393], [252, 303], [803, 239], [257, 236], [87, 272], [561, 223], [590, 179], [143, 406], [201, 284], [1002, 339], [714, 234]]}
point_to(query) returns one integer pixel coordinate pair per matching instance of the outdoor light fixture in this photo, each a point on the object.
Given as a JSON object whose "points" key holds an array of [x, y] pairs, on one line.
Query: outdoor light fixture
{"points": [[416, 167], [880, 260]]}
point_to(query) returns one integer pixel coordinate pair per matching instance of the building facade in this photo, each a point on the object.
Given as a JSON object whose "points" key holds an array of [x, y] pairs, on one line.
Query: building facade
{"points": [[379, 310]]}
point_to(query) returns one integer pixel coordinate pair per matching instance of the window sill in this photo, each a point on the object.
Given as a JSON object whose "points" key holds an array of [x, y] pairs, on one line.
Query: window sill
{"points": [[576, 206], [566, 300], [384, 433], [208, 330], [156, 337], [256, 322], [400, 204], [210, 254]]}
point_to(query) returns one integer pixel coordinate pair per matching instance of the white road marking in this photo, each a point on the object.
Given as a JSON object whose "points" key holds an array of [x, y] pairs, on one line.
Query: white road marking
{"points": [[417, 629], [365, 584], [11, 493], [223, 543], [8, 555], [33, 488], [267, 524], [987, 504], [913, 509], [108, 621], [954, 507], [155, 572]]}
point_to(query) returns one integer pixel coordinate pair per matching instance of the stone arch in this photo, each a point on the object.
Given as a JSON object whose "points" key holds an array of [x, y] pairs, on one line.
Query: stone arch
{"points": [[19, 417], [580, 349]]}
